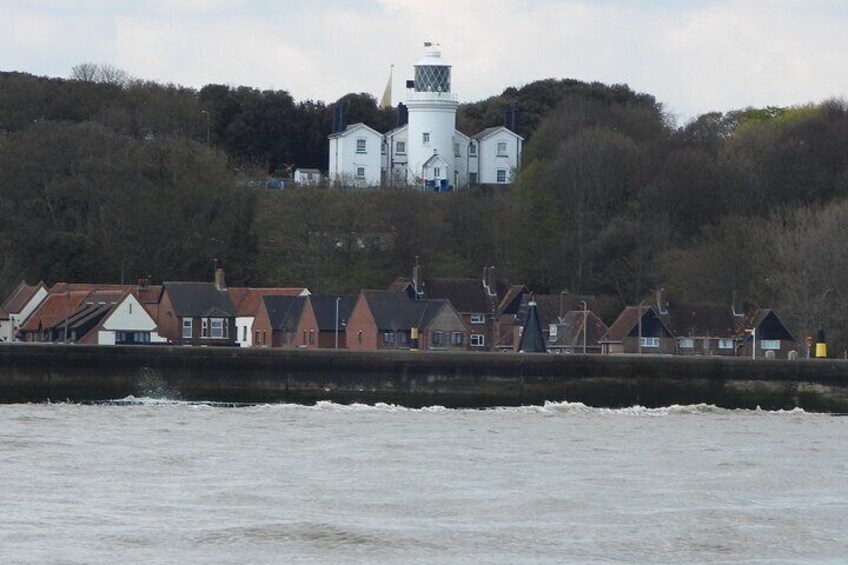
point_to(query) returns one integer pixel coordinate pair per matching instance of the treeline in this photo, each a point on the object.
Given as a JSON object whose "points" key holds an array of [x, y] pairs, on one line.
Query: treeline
{"points": [[103, 178]]}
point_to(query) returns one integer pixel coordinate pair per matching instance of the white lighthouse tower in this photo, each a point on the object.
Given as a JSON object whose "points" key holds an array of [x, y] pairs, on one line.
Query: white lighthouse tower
{"points": [[432, 122]]}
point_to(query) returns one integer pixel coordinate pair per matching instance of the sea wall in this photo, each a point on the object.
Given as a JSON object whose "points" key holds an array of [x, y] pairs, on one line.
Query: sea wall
{"points": [[35, 373]]}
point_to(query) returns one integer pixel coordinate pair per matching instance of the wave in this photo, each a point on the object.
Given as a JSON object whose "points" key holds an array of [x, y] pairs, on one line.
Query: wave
{"points": [[564, 408]]}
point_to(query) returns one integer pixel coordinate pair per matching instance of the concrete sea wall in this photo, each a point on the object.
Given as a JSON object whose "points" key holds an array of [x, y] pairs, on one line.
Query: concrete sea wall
{"points": [[35, 373]]}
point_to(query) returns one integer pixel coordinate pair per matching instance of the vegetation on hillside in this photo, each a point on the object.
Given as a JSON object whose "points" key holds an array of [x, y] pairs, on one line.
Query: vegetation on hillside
{"points": [[104, 178]]}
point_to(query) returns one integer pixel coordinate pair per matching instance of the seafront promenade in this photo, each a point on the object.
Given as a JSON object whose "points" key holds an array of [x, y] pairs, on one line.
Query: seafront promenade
{"points": [[36, 373]]}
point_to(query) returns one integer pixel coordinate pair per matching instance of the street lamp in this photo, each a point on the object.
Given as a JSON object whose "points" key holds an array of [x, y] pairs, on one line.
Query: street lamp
{"points": [[337, 321], [584, 326]]}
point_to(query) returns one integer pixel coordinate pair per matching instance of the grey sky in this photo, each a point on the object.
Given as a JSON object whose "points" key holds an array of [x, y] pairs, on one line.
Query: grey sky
{"points": [[694, 56]]}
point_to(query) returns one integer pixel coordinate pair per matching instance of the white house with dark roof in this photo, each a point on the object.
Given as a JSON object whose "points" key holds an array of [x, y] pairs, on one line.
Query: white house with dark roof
{"points": [[427, 150], [307, 177]]}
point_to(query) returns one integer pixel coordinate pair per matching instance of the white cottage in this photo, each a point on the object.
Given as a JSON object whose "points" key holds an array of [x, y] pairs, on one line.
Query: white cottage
{"points": [[17, 308], [428, 150], [306, 177], [355, 158], [129, 323]]}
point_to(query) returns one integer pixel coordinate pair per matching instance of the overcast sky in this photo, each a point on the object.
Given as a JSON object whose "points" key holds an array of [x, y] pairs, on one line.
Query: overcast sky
{"points": [[693, 55]]}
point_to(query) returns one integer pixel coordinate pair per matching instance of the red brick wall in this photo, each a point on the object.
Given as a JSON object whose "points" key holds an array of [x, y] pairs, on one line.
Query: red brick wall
{"points": [[361, 320]]}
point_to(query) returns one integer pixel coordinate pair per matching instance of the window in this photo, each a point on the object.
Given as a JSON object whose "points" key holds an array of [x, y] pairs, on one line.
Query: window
{"points": [[472, 178], [425, 137], [772, 344], [501, 175], [204, 327], [304, 336], [456, 338], [687, 343], [359, 336], [472, 150], [478, 318], [400, 148], [244, 333], [360, 145], [650, 342], [217, 328], [187, 330], [725, 344], [388, 338], [258, 338], [478, 340], [438, 338], [502, 149], [311, 337], [403, 338], [456, 148], [437, 172], [552, 331], [360, 172]]}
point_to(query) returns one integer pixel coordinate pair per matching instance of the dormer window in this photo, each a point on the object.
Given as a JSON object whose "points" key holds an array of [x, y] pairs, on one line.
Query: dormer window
{"points": [[360, 145]]}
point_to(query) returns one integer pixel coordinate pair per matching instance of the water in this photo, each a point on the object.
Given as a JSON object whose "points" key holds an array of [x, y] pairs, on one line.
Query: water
{"points": [[144, 481]]}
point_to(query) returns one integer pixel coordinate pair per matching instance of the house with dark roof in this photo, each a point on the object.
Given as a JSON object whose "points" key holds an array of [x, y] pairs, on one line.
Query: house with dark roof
{"points": [[197, 313], [639, 329], [246, 301], [332, 312], [485, 304], [285, 322], [765, 336], [394, 320], [561, 317], [17, 307]]}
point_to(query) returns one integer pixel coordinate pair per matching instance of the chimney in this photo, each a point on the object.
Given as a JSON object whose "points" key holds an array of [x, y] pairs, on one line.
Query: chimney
{"points": [[489, 281], [661, 303], [417, 285], [220, 283]]}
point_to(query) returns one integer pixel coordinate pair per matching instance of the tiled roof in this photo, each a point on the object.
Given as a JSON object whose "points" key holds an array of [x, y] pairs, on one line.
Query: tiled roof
{"points": [[570, 331], [625, 323], [551, 306], [246, 300], [701, 319], [19, 298], [324, 306], [284, 311], [68, 300], [396, 310], [194, 299], [466, 295]]}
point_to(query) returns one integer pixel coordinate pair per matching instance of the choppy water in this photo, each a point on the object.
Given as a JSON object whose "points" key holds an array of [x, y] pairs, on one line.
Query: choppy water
{"points": [[163, 482]]}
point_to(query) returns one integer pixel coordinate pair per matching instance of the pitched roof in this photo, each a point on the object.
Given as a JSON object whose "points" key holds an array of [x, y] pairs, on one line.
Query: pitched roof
{"points": [[324, 306], [313, 171], [490, 131], [64, 299], [466, 295], [552, 306], [246, 300], [629, 319], [570, 330], [284, 311], [19, 298], [532, 339], [194, 299], [353, 127], [701, 319], [396, 310]]}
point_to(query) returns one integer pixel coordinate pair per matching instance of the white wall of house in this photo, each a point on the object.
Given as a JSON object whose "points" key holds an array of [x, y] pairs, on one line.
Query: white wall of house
{"points": [[9, 326], [307, 176], [244, 330], [499, 153], [355, 156], [128, 316]]}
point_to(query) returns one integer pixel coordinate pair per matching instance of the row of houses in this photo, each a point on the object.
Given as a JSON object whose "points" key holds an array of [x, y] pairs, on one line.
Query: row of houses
{"points": [[427, 313]]}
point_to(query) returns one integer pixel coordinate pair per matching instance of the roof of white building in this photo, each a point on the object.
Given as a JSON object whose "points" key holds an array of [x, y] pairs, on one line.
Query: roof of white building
{"points": [[352, 127], [491, 131]]}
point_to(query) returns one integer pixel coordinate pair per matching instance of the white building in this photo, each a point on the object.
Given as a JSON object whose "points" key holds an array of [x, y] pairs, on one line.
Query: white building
{"points": [[428, 150], [17, 308], [128, 323], [306, 177]]}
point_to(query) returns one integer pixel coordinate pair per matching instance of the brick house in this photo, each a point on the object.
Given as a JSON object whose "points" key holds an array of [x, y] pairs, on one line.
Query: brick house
{"points": [[285, 322], [332, 312], [394, 320], [639, 329], [197, 313]]}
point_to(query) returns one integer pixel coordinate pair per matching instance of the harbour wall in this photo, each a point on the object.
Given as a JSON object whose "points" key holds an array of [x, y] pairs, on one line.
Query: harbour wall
{"points": [[36, 373]]}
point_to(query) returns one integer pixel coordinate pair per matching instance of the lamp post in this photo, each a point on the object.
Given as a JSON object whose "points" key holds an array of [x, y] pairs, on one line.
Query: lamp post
{"points": [[337, 322], [584, 326], [640, 326]]}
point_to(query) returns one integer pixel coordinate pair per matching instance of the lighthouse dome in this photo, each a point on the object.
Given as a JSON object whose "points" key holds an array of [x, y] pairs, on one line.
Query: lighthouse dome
{"points": [[432, 73]]}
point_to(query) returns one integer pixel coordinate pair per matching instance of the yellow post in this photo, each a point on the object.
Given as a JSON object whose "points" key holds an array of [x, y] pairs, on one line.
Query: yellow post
{"points": [[413, 337]]}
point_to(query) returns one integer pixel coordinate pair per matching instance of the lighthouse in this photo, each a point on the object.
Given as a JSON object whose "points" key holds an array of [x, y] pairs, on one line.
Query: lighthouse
{"points": [[432, 122], [425, 150]]}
